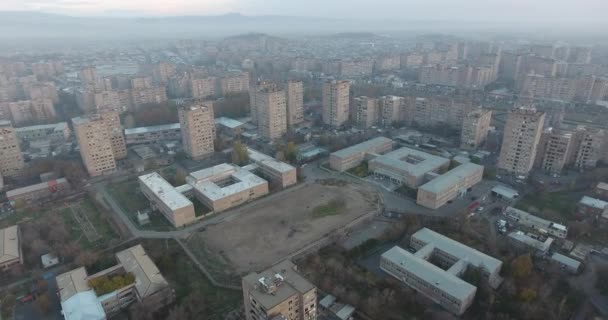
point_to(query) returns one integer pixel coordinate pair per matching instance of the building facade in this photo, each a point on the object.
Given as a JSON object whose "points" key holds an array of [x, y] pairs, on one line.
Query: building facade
{"points": [[198, 129], [475, 127], [11, 160], [271, 110], [336, 102], [522, 134], [295, 102]]}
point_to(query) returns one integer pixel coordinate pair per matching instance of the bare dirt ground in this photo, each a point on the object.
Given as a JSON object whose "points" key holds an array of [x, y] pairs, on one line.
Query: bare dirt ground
{"points": [[271, 230]]}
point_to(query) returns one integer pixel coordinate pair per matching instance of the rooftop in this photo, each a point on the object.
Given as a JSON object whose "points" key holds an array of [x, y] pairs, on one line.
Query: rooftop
{"points": [[35, 187], [54, 126], [413, 161], [83, 306], [505, 192], [292, 283], [527, 218], [531, 242], [162, 127], [566, 260], [9, 245], [602, 186], [165, 191], [228, 122], [593, 202], [452, 177], [72, 282], [268, 161], [148, 278], [206, 181], [365, 146], [457, 249], [430, 273]]}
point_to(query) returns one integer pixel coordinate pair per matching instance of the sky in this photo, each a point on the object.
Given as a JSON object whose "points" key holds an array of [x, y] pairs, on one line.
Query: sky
{"points": [[499, 10]]}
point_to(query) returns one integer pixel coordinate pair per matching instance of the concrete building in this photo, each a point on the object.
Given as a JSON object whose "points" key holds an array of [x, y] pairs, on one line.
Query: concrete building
{"points": [[153, 134], [530, 242], [101, 141], [441, 111], [28, 111], [10, 254], [229, 127], [277, 172], [390, 110], [589, 145], [162, 71], [38, 192], [56, 133], [591, 206], [475, 127], [111, 101], [566, 263], [279, 291], [271, 112], [407, 166], [152, 95], [295, 102], [225, 186], [234, 83], [449, 185], [554, 150], [198, 129], [353, 156], [601, 190], [541, 225], [11, 160], [522, 134], [440, 283], [366, 112], [203, 87], [336, 102], [82, 298], [163, 196]]}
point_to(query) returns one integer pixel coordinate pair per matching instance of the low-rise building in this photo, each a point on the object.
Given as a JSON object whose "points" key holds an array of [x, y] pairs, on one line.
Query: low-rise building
{"points": [[406, 166], [277, 172], [86, 296], [530, 241], [224, 186], [601, 190], [38, 192], [153, 134], [450, 185], [170, 202], [591, 206], [56, 133], [228, 126], [10, 254], [353, 156], [536, 223], [568, 264], [279, 291]]}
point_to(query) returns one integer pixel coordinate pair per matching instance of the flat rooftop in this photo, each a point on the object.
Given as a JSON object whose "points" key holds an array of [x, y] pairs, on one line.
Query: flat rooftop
{"points": [[602, 186], [414, 162], [228, 122], [9, 245], [268, 161], [452, 177], [55, 127], [162, 127], [205, 181], [35, 187], [362, 147], [148, 278], [529, 241], [430, 273], [72, 282], [459, 250], [528, 218], [165, 191], [293, 283], [593, 202]]}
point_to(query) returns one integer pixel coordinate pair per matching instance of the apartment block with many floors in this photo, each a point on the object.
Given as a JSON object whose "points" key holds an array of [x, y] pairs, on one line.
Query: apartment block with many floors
{"points": [[295, 102], [271, 110], [475, 127], [11, 160], [522, 134], [198, 129], [336, 103]]}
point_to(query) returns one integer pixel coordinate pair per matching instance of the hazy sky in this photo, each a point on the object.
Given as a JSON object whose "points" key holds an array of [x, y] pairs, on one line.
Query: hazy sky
{"points": [[588, 11]]}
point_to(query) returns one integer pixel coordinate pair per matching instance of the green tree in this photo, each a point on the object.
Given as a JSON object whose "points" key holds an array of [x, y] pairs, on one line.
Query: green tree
{"points": [[522, 266], [240, 156], [527, 294], [291, 152]]}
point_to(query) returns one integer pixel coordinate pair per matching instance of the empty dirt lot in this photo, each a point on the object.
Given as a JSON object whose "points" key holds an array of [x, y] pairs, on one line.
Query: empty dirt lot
{"points": [[271, 230]]}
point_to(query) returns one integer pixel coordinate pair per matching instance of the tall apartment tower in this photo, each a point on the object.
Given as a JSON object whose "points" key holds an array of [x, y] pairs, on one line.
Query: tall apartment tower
{"points": [[336, 102], [253, 94], [521, 137], [475, 127], [366, 111], [295, 102], [279, 292], [198, 129], [11, 160], [271, 110], [101, 141], [88, 75]]}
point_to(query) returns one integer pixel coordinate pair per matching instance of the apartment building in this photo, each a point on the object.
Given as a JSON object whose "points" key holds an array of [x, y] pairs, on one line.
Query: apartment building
{"points": [[535, 223], [162, 71], [88, 75], [441, 111], [353, 156], [56, 133], [153, 134], [253, 94], [356, 67], [203, 87], [224, 186], [387, 63], [295, 102], [554, 150], [522, 134], [11, 254], [42, 90], [11, 160], [198, 129], [96, 296], [437, 192], [279, 292], [366, 112], [234, 83], [589, 144], [336, 103], [475, 127], [390, 110], [28, 111], [176, 208], [148, 95], [101, 141], [271, 112]]}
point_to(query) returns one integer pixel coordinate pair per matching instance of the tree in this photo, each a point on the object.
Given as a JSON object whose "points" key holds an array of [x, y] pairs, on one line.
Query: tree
{"points": [[240, 156], [291, 152], [522, 266], [527, 294]]}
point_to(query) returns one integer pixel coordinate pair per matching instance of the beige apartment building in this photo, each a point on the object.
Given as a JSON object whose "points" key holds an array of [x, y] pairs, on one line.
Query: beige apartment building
{"points": [[28, 111], [295, 102], [141, 83], [590, 144], [271, 110], [88, 75], [101, 141], [163, 71], [279, 292], [198, 129], [152, 95], [42, 90], [11, 160], [441, 111], [234, 83], [475, 127], [203, 87], [253, 95], [522, 134], [554, 150], [336, 102], [366, 112], [390, 110]]}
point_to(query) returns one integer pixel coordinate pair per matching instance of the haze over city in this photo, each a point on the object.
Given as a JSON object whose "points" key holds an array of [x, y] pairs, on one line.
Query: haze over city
{"points": [[303, 160]]}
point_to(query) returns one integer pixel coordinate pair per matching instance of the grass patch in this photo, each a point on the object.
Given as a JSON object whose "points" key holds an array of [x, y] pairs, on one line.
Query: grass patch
{"points": [[332, 208], [551, 205], [360, 171], [216, 263], [98, 220]]}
